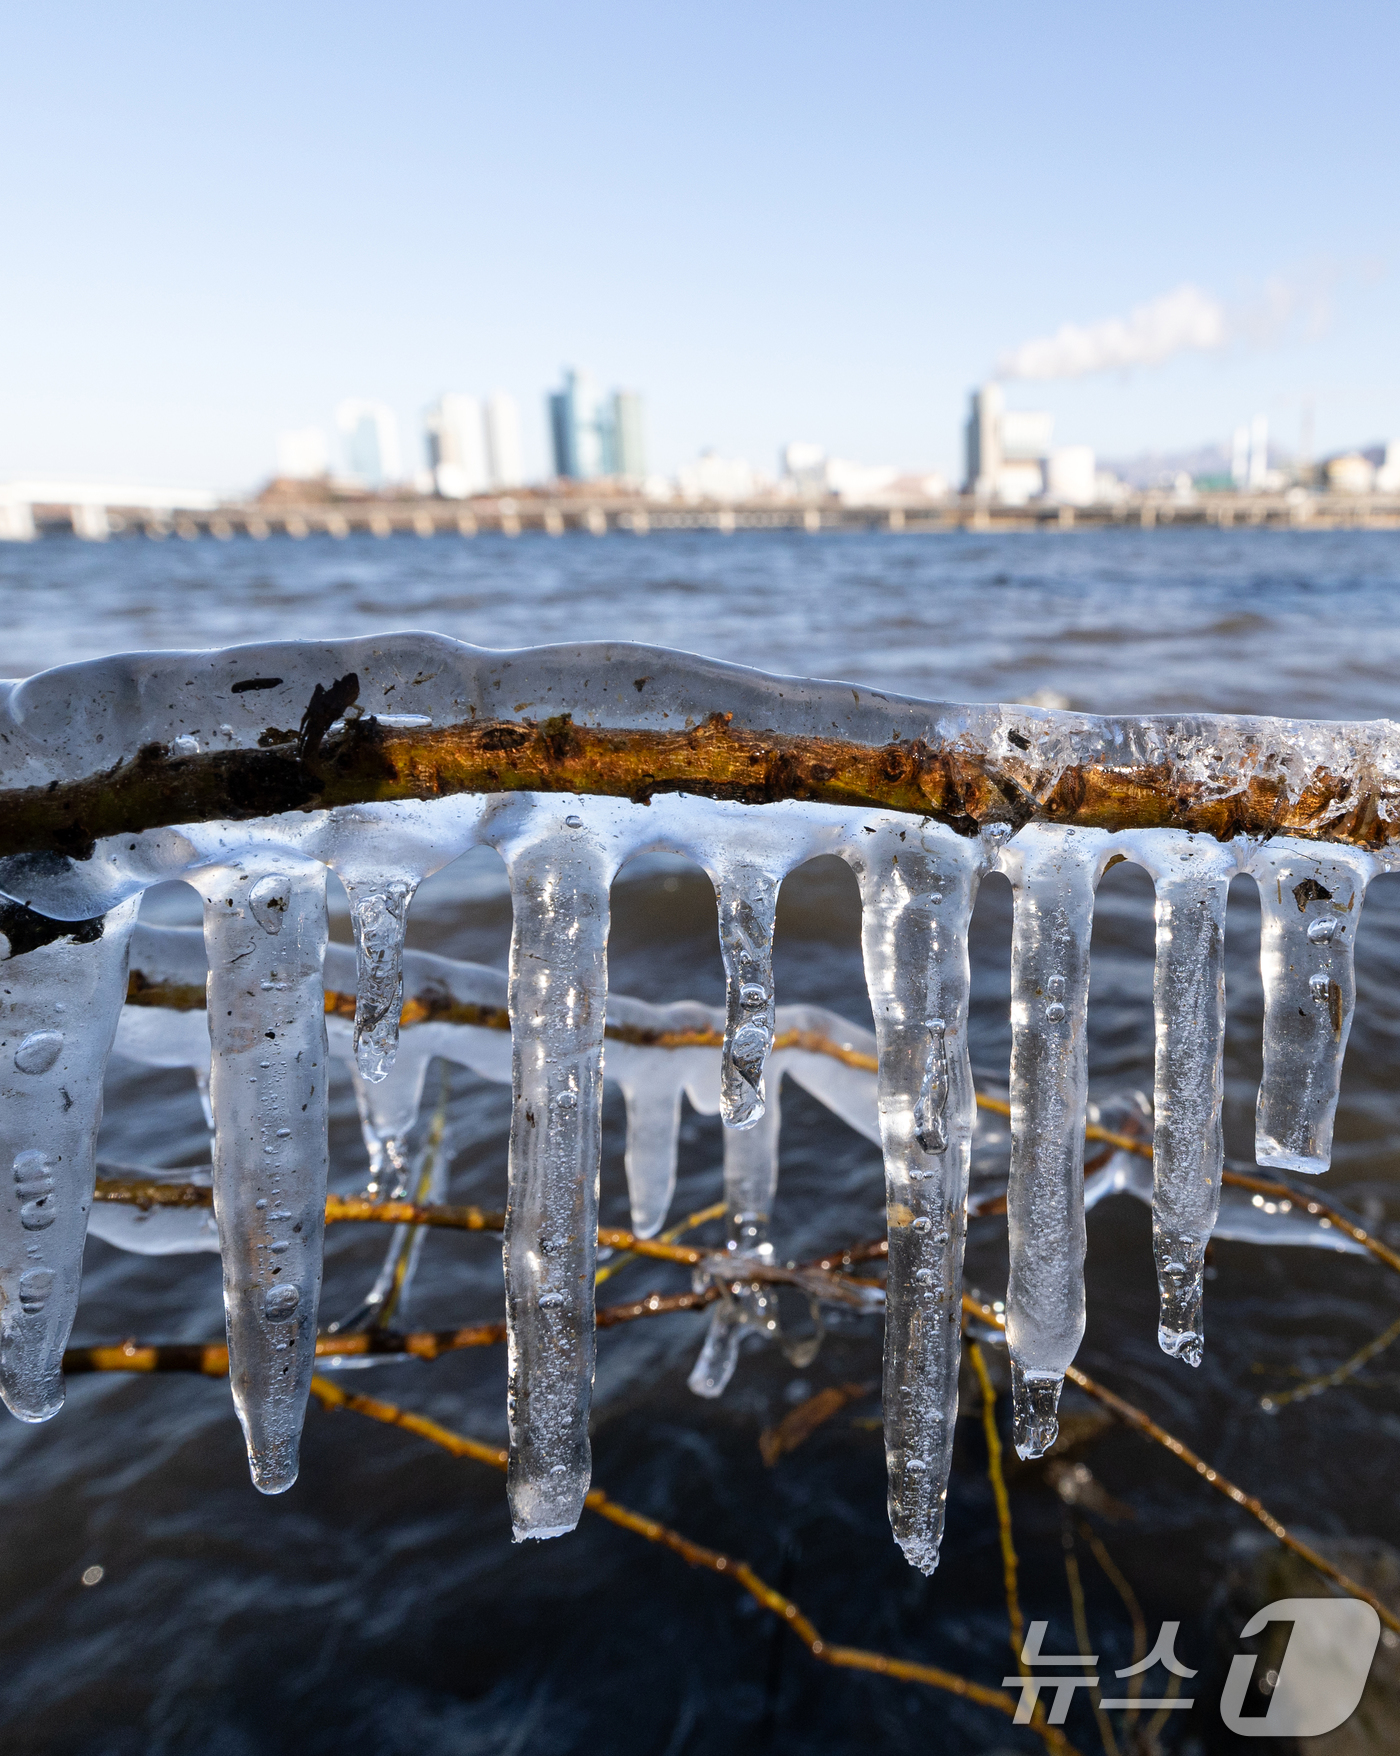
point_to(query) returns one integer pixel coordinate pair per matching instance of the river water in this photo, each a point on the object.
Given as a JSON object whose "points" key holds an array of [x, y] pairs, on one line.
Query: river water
{"points": [[380, 1606]]}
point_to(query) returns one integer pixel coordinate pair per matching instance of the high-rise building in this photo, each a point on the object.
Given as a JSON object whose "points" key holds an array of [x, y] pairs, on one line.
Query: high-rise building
{"points": [[1007, 449], [629, 458], [370, 435], [984, 441], [456, 446], [504, 466], [593, 435], [578, 428]]}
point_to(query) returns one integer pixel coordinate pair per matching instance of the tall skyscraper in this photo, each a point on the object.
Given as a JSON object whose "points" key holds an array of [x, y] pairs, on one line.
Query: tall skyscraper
{"points": [[504, 465], [456, 446], [370, 435], [984, 440], [629, 459], [592, 435]]}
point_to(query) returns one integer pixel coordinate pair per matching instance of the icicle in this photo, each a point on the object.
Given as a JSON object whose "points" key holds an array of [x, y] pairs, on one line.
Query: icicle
{"points": [[559, 877], [653, 1131], [918, 884], [748, 899], [1053, 872], [379, 916], [388, 1111], [1310, 903], [1192, 875], [61, 1002], [265, 936], [750, 1185]]}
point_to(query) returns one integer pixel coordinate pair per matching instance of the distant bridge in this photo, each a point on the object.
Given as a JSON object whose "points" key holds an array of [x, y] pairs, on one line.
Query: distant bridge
{"points": [[96, 512]]}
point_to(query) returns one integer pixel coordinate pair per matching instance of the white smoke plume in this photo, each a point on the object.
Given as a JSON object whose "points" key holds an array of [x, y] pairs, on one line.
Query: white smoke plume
{"points": [[1184, 319]]}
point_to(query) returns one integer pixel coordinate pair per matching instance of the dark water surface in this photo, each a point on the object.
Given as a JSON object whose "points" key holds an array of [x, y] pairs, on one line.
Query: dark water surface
{"points": [[380, 1606]]}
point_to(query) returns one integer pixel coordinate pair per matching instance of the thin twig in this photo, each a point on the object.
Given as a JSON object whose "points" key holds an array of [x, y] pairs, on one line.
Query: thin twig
{"points": [[1119, 1581], [1339, 1374], [1009, 1563], [1081, 1628]]}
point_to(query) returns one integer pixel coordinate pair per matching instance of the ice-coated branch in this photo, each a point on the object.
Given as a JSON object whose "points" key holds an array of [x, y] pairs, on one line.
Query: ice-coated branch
{"points": [[197, 738]]}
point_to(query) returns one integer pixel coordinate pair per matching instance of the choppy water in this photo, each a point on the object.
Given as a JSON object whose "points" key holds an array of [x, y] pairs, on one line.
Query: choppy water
{"points": [[380, 1606]]}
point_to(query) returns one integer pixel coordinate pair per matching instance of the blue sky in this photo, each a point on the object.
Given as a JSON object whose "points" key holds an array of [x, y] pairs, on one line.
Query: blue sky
{"points": [[778, 221]]}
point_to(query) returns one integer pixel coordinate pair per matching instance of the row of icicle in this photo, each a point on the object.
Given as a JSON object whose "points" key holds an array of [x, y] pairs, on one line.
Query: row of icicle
{"points": [[263, 888]]}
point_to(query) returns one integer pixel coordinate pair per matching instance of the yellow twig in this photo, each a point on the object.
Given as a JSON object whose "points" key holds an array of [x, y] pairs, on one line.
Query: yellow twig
{"points": [[1081, 1631], [1339, 1375], [1009, 1563], [688, 1224]]}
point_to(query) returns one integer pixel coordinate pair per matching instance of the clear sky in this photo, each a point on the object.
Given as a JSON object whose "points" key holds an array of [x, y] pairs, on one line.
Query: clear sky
{"points": [[776, 220]]}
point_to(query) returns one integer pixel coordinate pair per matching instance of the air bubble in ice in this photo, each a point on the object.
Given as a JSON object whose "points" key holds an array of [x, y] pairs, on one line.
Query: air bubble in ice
{"points": [[1323, 930], [573, 822], [550, 1301], [1055, 1011], [753, 994], [1318, 987], [38, 1052], [269, 900], [185, 746], [567, 1100]]}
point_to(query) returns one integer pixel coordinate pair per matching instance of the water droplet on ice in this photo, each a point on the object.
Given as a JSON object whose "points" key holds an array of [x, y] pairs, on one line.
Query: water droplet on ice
{"points": [[281, 1301], [185, 746], [550, 1301], [269, 900], [1320, 932], [923, 1225], [572, 822], [39, 1050], [34, 1289], [1054, 1012], [567, 1100], [753, 994], [284, 1133]]}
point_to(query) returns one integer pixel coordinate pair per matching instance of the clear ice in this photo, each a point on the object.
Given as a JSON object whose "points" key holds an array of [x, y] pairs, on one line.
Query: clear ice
{"points": [[59, 1006], [1053, 873], [260, 1050], [265, 934]]}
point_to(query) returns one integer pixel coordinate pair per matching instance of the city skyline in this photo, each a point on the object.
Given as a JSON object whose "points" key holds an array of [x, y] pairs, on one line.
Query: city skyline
{"points": [[1174, 223]]}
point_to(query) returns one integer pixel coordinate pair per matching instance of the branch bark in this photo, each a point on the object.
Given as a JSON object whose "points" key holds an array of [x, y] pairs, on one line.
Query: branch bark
{"points": [[963, 783]]}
